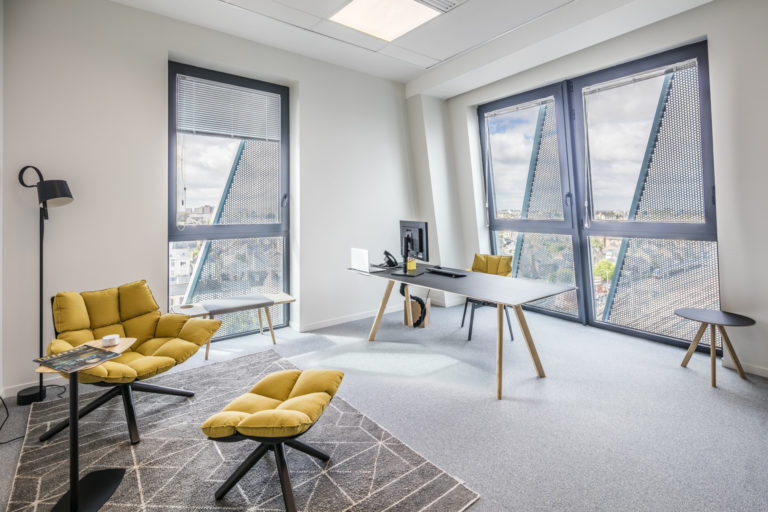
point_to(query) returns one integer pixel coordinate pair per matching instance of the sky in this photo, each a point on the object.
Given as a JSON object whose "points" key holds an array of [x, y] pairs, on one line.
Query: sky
{"points": [[619, 123], [205, 162]]}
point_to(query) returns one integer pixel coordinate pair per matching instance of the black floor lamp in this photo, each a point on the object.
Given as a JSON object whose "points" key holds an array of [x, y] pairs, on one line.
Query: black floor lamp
{"points": [[49, 193]]}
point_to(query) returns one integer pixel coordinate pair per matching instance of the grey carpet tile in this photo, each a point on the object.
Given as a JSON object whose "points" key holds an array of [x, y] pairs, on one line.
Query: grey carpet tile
{"points": [[176, 467]]}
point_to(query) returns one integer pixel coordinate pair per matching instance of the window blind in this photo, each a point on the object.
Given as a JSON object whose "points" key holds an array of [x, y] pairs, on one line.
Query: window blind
{"points": [[216, 108]]}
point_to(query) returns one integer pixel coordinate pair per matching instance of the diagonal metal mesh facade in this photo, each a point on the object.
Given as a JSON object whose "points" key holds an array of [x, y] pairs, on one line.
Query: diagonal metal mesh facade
{"points": [[545, 197], [240, 266], [672, 189], [659, 276], [542, 256], [253, 197]]}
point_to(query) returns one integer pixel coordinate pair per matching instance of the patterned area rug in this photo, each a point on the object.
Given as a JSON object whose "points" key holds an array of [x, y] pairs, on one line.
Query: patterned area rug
{"points": [[175, 467]]}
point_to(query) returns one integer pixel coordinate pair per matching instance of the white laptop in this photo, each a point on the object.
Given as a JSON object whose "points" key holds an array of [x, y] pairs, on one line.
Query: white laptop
{"points": [[359, 261]]}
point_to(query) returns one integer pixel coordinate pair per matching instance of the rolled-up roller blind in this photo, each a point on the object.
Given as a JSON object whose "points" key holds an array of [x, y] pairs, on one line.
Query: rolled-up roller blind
{"points": [[216, 108]]}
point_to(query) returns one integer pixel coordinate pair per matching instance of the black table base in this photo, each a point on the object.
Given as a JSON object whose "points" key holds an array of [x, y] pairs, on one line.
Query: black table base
{"points": [[93, 491]]}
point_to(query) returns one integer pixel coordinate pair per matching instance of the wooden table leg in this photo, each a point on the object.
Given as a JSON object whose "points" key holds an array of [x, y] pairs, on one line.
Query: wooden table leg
{"points": [[269, 323], [408, 310], [380, 313], [499, 347], [261, 325], [694, 344], [713, 355], [529, 340], [727, 343]]}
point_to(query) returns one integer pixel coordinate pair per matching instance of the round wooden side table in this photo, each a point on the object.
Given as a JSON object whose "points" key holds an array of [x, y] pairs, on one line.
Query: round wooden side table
{"points": [[713, 318]]}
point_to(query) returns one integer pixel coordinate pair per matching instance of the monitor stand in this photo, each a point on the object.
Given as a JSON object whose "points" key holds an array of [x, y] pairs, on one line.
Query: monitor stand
{"points": [[407, 273]]}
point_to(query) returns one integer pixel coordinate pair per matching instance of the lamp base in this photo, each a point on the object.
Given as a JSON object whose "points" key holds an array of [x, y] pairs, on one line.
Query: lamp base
{"points": [[28, 395]]}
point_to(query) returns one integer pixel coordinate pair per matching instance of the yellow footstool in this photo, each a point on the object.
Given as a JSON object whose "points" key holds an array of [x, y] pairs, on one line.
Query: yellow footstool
{"points": [[280, 408]]}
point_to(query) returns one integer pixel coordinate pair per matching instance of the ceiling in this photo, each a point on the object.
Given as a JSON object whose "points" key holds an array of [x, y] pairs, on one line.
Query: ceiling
{"points": [[461, 38]]}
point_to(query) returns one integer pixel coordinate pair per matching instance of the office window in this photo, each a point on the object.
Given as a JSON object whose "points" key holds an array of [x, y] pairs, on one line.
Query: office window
{"points": [[637, 183], [228, 191]]}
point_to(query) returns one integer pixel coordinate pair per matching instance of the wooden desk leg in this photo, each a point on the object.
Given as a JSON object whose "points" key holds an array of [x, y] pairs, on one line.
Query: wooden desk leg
{"points": [[529, 340], [269, 323], [727, 343], [499, 347], [380, 313], [694, 344], [713, 355], [408, 310], [261, 325]]}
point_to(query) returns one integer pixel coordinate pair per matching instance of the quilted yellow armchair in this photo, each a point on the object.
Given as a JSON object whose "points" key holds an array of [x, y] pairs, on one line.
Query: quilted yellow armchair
{"points": [[130, 310]]}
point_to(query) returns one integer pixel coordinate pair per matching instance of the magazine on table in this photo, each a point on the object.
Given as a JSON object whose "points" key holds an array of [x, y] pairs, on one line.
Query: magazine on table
{"points": [[84, 356]]}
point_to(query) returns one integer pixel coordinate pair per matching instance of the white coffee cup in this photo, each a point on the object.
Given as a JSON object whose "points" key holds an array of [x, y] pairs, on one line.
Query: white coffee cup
{"points": [[110, 340]]}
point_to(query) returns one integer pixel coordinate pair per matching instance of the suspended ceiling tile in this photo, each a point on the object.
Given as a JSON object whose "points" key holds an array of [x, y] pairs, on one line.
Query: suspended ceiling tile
{"points": [[473, 23], [348, 35], [277, 11], [408, 56], [320, 8]]}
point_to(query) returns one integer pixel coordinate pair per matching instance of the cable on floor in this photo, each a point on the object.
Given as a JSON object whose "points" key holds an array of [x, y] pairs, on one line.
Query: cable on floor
{"points": [[60, 394]]}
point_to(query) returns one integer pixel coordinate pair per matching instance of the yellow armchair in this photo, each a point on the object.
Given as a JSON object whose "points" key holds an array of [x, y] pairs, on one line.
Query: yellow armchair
{"points": [[130, 310]]}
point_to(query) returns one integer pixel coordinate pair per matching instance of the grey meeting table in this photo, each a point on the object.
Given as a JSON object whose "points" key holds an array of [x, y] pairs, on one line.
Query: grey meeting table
{"points": [[500, 290]]}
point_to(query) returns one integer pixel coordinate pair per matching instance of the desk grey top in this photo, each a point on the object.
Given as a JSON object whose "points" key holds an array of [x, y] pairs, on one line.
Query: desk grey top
{"points": [[510, 291], [242, 303]]}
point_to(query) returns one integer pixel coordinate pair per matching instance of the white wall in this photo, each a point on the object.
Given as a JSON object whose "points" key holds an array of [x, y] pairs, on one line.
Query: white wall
{"points": [[735, 30], [86, 94], [2, 173]]}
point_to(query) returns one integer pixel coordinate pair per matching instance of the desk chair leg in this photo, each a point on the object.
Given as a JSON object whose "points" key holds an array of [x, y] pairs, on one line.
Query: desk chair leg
{"points": [[130, 413], [509, 324], [471, 321], [88, 408], [727, 343], [241, 470], [285, 479], [261, 325], [269, 323], [380, 313], [499, 347], [309, 450], [160, 390], [529, 340], [464, 315], [694, 344], [713, 355]]}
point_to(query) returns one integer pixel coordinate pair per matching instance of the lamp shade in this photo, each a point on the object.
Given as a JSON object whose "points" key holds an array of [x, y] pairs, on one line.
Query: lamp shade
{"points": [[54, 192]]}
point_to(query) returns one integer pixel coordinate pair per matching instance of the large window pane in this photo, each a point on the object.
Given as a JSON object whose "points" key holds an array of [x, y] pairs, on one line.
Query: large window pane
{"points": [[212, 269], [639, 282], [542, 256], [525, 161], [644, 146]]}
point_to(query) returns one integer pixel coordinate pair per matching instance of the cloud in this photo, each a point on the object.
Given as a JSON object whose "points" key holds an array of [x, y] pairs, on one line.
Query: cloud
{"points": [[205, 162]]}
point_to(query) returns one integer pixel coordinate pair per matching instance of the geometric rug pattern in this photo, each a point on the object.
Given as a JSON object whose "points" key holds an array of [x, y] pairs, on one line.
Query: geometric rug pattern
{"points": [[176, 467]]}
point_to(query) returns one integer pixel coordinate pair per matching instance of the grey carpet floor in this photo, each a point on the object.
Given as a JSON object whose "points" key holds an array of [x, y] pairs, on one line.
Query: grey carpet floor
{"points": [[175, 466], [616, 425]]}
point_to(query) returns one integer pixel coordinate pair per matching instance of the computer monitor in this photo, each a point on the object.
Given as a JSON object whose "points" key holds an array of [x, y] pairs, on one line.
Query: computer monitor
{"points": [[413, 244]]}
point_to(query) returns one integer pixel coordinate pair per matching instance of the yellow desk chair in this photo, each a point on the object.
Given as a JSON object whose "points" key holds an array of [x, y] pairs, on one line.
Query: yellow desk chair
{"points": [[162, 342], [488, 264]]}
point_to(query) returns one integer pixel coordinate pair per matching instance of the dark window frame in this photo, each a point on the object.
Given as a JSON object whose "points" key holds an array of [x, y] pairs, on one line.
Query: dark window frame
{"points": [[232, 231], [573, 131]]}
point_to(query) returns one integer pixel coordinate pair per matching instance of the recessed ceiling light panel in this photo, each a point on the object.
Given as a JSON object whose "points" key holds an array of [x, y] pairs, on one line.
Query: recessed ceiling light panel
{"points": [[385, 19], [442, 5]]}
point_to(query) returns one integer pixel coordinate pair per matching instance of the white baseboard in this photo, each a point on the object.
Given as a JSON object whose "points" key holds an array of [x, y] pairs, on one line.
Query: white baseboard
{"points": [[347, 318], [760, 371], [9, 392]]}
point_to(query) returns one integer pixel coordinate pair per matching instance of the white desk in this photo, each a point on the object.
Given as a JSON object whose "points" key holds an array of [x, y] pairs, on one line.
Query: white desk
{"points": [[500, 290]]}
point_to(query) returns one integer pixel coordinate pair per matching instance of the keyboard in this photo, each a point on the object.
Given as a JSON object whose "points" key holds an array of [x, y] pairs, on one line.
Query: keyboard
{"points": [[445, 272]]}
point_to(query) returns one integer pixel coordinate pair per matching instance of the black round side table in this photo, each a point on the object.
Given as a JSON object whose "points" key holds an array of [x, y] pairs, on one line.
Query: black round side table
{"points": [[714, 318]]}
